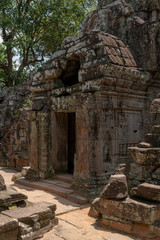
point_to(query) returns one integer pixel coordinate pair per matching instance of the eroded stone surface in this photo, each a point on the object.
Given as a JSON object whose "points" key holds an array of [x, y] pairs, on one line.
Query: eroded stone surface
{"points": [[2, 183], [116, 188], [30, 222], [147, 191], [8, 224], [126, 209], [10, 197], [99, 84]]}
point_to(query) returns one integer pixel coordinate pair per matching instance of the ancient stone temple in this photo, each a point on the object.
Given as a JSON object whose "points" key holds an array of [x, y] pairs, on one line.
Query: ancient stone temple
{"points": [[91, 100], [130, 202]]}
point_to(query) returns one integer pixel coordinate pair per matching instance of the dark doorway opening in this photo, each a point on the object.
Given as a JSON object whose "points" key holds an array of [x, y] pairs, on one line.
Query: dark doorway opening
{"points": [[71, 141], [64, 142]]}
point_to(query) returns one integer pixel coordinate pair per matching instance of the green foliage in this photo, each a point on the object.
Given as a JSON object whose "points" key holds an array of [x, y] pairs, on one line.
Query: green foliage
{"points": [[15, 112], [3, 77], [32, 30]]}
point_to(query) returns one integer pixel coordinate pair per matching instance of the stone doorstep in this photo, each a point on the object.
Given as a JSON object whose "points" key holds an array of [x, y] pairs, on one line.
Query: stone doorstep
{"points": [[58, 183], [67, 178], [41, 185], [77, 198], [49, 186]]}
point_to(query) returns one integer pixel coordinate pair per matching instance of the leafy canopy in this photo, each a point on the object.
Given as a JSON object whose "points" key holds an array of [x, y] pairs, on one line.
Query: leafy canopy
{"points": [[32, 30]]}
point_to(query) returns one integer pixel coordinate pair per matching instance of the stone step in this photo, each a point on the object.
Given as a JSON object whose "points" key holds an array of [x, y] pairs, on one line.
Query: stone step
{"points": [[67, 178], [58, 183], [77, 198], [41, 185], [54, 186]]}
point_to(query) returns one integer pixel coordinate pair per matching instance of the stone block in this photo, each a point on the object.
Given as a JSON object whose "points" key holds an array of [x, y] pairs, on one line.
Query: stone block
{"points": [[147, 191], [7, 224], [10, 196], [144, 145], [146, 156], [30, 214], [30, 222], [24, 229], [116, 188], [156, 174], [119, 225], [127, 209], [156, 129], [154, 139], [122, 169], [145, 231], [9, 235], [38, 105], [2, 183]]}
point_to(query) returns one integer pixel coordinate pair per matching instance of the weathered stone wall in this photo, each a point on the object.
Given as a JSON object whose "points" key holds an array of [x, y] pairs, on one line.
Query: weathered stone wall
{"points": [[14, 126], [130, 200], [106, 75], [108, 95], [136, 23]]}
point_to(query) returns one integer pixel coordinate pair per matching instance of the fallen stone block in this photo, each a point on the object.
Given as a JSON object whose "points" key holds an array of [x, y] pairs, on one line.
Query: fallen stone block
{"points": [[2, 183], [116, 188], [145, 145], [7, 223], [147, 191], [8, 228], [127, 209], [31, 214], [32, 222], [10, 196]]}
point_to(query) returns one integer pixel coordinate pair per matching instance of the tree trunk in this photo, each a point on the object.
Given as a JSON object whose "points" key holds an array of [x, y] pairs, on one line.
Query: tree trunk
{"points": [[10, 66], [10, 81]]}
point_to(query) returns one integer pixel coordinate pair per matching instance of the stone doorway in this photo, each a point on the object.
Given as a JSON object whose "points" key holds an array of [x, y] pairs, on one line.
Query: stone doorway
{"points": [[64, 142]]}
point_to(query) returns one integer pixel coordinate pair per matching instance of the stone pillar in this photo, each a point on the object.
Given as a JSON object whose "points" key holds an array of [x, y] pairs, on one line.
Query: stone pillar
{"points": [[81, 156], [39, 147], [44, 142], [88, 164], [33, 142]]}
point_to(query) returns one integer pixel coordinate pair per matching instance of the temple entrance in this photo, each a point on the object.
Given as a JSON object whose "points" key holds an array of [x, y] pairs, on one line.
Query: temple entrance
{"points": [[64, 142]]}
